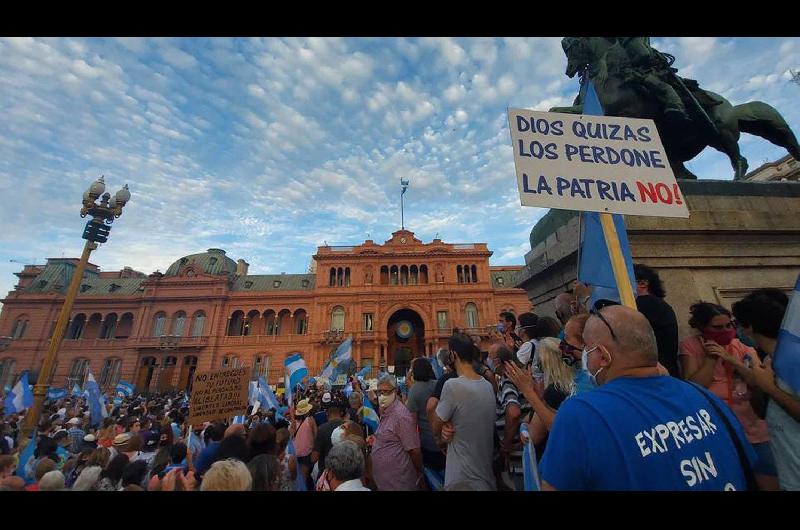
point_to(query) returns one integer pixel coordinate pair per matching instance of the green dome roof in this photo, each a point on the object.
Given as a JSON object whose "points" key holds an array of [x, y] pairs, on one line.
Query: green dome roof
{"points": [[212, 261]]}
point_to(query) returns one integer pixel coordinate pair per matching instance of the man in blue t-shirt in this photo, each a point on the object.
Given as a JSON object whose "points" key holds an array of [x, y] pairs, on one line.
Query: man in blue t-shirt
{"points": [[640, 430]]}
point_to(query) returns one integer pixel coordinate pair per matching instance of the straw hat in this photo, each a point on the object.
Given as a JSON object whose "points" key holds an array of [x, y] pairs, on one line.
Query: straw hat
{"points": [[303, 407]]}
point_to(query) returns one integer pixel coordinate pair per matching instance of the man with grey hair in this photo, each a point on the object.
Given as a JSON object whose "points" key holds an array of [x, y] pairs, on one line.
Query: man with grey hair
{"points": [[640, 429], [52, 481], [345, 464], [565, 307], [396, 453]]}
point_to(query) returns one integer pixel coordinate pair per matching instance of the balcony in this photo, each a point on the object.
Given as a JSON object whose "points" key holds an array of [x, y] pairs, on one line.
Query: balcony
{"points": [[257, 340], [90, 344], [170, 342]]}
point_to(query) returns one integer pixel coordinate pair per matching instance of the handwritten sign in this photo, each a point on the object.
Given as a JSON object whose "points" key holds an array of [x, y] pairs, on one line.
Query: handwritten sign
{"points": [[593, 163], [219, 394]]}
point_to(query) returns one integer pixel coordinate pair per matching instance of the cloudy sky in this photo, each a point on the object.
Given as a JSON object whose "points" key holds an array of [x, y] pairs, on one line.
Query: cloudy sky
{"points": [[267, 147]]}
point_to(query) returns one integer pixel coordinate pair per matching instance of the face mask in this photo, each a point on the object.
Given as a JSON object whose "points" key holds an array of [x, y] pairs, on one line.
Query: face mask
{"points": [[338, 435], [385, 401], [490, 364], [566, 353], [723, 338], [501, 328], [585, 368]]}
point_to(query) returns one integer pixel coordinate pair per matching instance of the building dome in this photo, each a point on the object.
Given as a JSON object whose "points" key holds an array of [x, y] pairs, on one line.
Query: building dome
{"points": [[212, 261]]}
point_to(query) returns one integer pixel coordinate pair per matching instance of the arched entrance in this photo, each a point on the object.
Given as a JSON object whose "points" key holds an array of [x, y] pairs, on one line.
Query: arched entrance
{"points": [[187, 371], [146, 369], [406, 334]]}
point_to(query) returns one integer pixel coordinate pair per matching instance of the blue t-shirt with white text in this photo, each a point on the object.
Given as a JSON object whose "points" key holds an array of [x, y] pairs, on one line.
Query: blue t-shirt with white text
{"points": [[644, 433]]}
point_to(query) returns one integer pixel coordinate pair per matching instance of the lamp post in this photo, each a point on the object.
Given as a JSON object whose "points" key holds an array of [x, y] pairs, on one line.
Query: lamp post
{"points": [[96, 231]]}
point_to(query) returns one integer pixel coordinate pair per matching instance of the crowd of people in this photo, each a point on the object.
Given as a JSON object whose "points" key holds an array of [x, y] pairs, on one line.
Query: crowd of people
{"points": [[610, 397]]}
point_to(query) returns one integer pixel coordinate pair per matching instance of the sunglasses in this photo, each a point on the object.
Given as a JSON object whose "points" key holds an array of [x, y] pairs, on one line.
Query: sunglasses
{"points": [[598, 314]]}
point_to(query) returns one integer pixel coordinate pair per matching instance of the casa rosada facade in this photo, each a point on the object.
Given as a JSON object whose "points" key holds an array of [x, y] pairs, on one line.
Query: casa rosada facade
{"points": [[397, 301]]}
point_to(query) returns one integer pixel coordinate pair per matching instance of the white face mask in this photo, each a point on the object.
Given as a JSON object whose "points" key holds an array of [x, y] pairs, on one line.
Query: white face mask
{"points": [[337, 436], [385, 401]]}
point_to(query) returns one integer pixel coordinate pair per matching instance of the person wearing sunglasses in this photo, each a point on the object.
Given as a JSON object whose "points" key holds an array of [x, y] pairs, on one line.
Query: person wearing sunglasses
{"points": [[717, 360], [640, 429]]}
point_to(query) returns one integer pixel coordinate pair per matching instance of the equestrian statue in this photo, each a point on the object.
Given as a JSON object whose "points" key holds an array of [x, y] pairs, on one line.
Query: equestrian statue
{"points": [[632, 79]]}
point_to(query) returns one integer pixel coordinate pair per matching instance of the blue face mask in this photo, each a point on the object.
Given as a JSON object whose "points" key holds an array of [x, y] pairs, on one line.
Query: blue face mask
{"points": [[490, 364], [501, 328]]}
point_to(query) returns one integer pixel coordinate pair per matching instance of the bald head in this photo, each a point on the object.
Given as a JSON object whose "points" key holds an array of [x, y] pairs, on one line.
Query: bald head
{"points": [[563, 305], [635, 343]]}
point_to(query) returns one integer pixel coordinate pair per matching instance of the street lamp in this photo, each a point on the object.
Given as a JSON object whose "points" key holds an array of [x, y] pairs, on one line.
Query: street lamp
{"points": [[96, 231]]}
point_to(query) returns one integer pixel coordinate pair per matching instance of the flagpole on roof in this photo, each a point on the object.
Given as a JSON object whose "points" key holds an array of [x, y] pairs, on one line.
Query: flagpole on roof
{"points": [[404, 186]]}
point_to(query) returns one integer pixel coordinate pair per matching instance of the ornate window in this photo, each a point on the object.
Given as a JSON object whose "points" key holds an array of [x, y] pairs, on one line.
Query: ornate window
{"points": [[109, 376], [19, 327], [78, 371], [471, 312], [198, 324], [178, 323], [337, 318], [159, 321], [7, 366]]}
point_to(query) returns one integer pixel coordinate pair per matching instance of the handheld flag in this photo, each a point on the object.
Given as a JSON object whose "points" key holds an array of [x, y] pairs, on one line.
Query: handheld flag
{"points": [[786, 360], [369, 415], [20, 397], [348, 389], [266, 396], [365, 370], [238, 419], [530, 471], [437, 368], [343, 353], [97, 409], [125, 388], [296, 371], [56, 393], [300, 481], [594, 267], [24, 458], [76, 390]]}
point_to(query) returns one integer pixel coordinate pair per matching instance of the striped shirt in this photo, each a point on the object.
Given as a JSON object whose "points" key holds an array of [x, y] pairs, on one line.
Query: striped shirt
{"points": [[507, 394]]}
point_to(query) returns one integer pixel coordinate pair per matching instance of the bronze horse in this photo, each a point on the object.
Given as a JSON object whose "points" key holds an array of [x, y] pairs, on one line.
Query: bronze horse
{"points": [[608, 64]]}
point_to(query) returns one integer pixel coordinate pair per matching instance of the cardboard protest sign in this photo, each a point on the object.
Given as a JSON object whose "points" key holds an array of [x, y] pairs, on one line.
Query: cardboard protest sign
{"points": [[593, 163], [219, 394]]}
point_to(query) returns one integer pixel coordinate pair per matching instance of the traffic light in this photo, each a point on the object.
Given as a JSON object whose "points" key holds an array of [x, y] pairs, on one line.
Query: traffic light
{"points": [[97, 232]]}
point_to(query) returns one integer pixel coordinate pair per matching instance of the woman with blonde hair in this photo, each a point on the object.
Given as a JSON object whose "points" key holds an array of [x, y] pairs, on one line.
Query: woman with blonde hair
{"points": [[558, 372]]}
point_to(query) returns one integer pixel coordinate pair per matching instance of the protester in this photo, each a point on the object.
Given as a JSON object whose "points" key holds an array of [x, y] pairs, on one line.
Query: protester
{"points": [[355, 400], [345, 465], [759, 314], [134, 474], [265, 472], [717, 360], [52, 481], [261, 440], [445, 359], [506, 327], [112, 475], [215, 433], [227, 475], [76, 434], [304, 430], [650, 302], [288, 462], [88, 479], [322, 441], [468, 404], [418, 395], [396, 453], [640, 430], [564, 304], [547, 327]]}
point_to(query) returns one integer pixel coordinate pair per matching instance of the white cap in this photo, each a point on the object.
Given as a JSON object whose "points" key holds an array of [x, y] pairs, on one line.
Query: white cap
{"points": [[326, 397], [74, 421]]}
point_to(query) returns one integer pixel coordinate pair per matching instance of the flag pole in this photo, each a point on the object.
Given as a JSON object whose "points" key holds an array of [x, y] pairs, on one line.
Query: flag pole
{"points": [[617, 261]]}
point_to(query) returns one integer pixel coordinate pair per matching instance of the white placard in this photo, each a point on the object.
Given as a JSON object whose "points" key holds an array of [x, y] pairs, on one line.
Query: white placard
{"points": [[593, 163]]}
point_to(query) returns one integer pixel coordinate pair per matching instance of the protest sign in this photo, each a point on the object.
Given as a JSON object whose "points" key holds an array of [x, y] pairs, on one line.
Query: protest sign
{"points": [[219, 394], [593, 163]]}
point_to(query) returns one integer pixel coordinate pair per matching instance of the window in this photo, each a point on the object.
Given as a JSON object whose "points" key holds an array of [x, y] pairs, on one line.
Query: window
{"points": [[231, 361], [305, 283], [270, 327], [474, 274], [404, 275], [384, 275], [77, 373], [367, 322], [423, 274], [276, 284], [85, 287], [76, 329], [471, 312], [413, 275], [159, 321], [248, 284], [460, 274], [300, 322], [394, 275], [178, 323], [467, 278], [332, 280], [7, 373], [260, 367], [347, 277], [441, 319], [500, 280], [337, 319], [109, 376], [109, 327], [114, 287], [19, 327], [199, 323]]}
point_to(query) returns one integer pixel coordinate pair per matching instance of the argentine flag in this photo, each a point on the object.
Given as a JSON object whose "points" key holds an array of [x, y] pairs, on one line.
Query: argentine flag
{"points": [[364, 371], [296, 371], [20, 397], [125, 388], [437, 368], [786, 360], [97, 408], [76, 390], [530, 471], [266, 396], [56, 393], [342, 354], [369, 415]]}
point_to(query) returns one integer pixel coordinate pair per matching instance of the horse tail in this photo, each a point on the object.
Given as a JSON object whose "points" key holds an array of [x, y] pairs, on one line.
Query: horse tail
{"points": [[763, 120]]}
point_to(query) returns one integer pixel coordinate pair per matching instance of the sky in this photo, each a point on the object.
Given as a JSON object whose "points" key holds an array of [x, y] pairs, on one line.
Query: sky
{"points": [[270, 147]]}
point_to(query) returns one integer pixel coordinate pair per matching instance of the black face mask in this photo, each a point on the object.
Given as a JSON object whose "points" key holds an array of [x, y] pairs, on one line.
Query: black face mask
{"points": [[566, 353]]}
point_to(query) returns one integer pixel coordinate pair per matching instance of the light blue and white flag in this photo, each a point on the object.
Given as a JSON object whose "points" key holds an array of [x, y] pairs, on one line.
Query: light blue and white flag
{"points": [[24, 457], [348, 389], [342, 354], [369, 415], [238, 419], [76, 390], [56, 393], [20, 397], [266, 396], [125, 388], [786, 362], [296, 371], [530, 471], [365, 370], [300, 482], [437, 368], [97, 409]]}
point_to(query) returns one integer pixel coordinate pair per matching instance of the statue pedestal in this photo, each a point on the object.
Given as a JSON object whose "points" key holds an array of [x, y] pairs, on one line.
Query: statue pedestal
{"points": [[740, 236]]}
